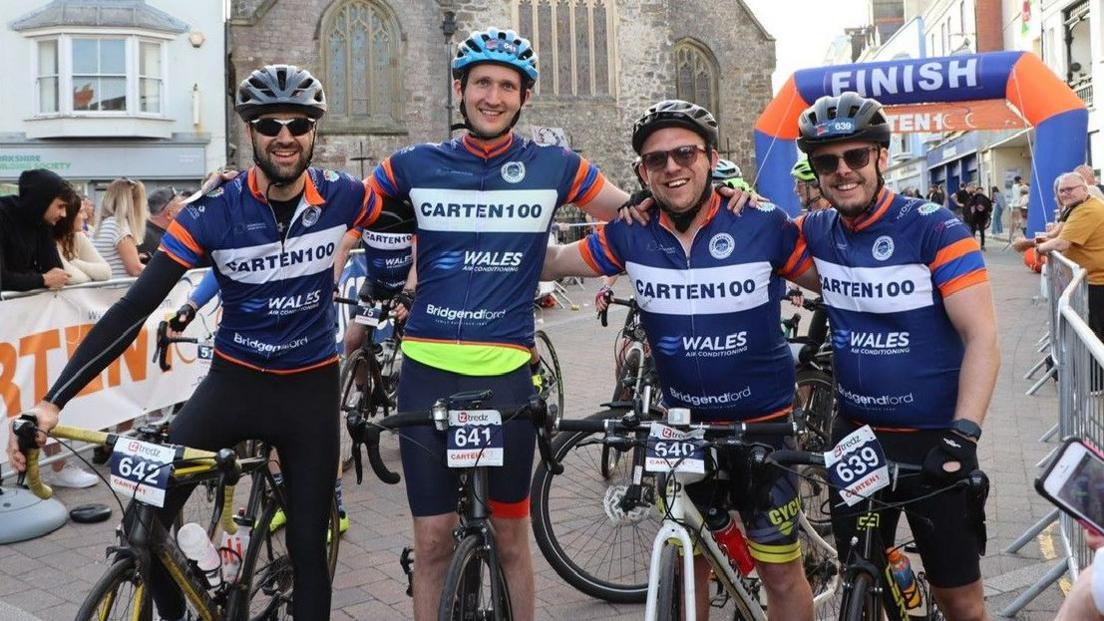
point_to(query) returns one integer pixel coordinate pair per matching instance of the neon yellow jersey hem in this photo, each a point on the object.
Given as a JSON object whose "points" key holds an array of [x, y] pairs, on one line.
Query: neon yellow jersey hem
{"points": [[466, 358]]}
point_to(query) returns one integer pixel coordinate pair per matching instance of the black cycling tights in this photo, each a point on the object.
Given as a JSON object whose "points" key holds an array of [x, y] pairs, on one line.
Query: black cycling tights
{"points": [[295, 414]]}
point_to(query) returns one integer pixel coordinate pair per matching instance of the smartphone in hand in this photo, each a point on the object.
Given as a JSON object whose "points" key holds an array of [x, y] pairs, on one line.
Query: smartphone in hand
{"points": [[1074, 481]]}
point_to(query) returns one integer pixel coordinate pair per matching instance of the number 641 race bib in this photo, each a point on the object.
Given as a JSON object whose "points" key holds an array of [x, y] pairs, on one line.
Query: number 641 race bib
{"points": [[474, 438], [857, 466]]}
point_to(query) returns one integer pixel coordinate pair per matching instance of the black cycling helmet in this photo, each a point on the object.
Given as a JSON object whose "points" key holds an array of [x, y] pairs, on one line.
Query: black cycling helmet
{"points": [[279, 86], [674, 113], [837, 119]]}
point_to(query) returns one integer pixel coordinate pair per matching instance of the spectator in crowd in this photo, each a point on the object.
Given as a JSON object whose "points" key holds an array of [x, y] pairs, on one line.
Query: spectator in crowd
{"points": [[78, 256], [89, 209], [959, 201], [937, 195], [1080, 237], [1017, 185], [28, 256], [977, 211], [1085, 601], [1019, 211], [122, 213], [1089, 175], [998, 210], [164, 204]]}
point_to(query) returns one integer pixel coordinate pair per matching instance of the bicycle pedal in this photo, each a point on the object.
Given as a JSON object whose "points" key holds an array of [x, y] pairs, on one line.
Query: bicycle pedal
{"points": [[406, 561]]}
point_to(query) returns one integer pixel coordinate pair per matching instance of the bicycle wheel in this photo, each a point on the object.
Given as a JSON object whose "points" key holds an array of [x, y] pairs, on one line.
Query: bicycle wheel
{"points": [[551, 389], [468, 594], [267, 569], [353, 398], [118, 594], [588, 539], [858, 602], [821, 566], [624, 391], [669, 591], [816, 396]]}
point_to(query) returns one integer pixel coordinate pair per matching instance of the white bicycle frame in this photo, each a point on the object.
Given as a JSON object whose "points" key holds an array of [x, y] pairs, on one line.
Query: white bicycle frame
{"points": [[682, 511]]}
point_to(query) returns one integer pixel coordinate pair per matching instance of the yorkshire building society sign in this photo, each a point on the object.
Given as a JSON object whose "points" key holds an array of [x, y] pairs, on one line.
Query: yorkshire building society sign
{"points": [[166, 160]]}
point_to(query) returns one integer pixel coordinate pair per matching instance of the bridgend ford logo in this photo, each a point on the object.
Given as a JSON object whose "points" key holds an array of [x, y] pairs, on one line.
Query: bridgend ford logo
{"points": [[513, 172], [876, 401], [726, 398], [453, 314]]}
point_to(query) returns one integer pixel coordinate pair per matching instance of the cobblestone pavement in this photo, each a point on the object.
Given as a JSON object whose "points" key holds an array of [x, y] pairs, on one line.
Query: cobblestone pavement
{"points": [[48, 577]]}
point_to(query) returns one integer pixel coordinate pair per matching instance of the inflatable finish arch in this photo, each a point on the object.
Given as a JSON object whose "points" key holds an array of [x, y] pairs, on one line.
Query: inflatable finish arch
{"points": [[1020, 78]]}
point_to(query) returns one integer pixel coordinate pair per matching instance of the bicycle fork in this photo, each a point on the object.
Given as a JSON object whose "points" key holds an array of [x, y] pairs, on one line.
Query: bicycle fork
{"points": [[671, 530]]}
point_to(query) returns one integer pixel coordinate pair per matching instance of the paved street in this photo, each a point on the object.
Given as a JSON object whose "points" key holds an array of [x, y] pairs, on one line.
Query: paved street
{"points": [[48, 578]]}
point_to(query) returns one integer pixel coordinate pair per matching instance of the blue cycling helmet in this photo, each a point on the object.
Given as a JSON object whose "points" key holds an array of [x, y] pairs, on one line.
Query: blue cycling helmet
{"points": [[726, 170], [501, 47], [839, 119]]}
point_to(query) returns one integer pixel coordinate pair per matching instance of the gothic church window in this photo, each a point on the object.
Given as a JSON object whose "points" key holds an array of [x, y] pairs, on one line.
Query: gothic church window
{"points": [[574, 41], [696, 74], [360, 48]]}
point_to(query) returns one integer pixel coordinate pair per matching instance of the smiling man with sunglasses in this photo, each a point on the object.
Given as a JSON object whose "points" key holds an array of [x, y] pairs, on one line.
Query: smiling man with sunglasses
{"points": [[271, 237], [914, 338], [709, 285]]}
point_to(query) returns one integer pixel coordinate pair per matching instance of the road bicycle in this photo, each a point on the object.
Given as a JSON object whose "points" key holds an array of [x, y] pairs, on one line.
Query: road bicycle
{"points": [[669, 590], [370, 375], [548, 378], [261, 589], [815, 385], [475, 586]]}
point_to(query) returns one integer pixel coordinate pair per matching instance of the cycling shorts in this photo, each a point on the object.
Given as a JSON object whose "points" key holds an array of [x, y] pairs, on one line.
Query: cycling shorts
{"points": [[375, 291], [431, 486], [944, 526], [769, 515]]}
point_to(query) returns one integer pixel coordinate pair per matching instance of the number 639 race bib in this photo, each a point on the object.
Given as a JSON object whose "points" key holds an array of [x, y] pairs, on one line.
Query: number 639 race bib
{"points": [[857, 466]]}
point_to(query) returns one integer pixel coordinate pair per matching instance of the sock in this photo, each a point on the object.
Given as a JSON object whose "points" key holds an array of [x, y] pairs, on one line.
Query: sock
{"points": [[338, 496], [278, 477]]}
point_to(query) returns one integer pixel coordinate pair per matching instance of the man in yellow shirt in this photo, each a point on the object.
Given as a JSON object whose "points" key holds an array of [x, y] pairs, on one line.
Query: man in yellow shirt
{"points": [[1081, 240]]}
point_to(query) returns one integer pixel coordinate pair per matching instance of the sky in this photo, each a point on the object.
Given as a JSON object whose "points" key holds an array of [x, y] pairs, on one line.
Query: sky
{"points": [[803, 29]]}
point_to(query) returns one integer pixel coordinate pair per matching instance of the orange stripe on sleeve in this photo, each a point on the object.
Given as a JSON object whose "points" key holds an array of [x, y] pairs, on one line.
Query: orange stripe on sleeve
{"points": [[950, 253], [609, 251], [390, 173], [584, 251], [795, 256], [599, 183], [577, 183], [172, 256], [179, 232], [964, 281]]}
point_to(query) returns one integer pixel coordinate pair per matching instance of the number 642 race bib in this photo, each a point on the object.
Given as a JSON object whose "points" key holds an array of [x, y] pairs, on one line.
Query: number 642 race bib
{"points": [[857, 466], [141, 470]]}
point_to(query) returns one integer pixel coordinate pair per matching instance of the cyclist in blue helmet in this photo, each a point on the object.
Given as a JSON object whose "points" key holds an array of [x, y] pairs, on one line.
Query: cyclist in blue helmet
{"points": [[496, 47]]}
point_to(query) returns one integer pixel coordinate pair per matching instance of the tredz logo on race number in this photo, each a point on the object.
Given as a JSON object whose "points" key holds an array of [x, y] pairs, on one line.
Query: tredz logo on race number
{"points": [[672, 450]]}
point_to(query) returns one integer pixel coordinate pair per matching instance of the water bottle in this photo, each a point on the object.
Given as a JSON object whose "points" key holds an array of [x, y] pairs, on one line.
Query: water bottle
{"points": [[233, 547], [730, 538], [198, 548], [904, 577]]}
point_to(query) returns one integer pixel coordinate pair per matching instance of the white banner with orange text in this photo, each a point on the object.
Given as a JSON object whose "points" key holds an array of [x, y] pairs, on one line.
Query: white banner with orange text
{"points": [[40, 332]]}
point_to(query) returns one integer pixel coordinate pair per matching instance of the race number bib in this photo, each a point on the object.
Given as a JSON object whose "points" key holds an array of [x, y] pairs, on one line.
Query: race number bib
{"points": [[672, 450], [368, 315], [205, 351], [857, 466], [141, 470], [474, 438]]}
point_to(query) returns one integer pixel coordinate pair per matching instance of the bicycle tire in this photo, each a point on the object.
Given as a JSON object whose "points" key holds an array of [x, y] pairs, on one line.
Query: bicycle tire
{"points": [[819, 406], [464, 585], [551, 375], [266, 568], [669, 591], [105, 593], [624, 391], [352, 399], [593, 546], [858, 601]]}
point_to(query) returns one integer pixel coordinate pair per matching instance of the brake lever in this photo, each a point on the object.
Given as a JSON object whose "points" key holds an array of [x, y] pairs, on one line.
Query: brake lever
{"points": [[161, 353], [358, 462], [371, 438]]}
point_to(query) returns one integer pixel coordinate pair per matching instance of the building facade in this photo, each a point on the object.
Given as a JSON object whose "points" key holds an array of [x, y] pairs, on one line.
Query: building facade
{"points": [[114, 88], [385, 67]]}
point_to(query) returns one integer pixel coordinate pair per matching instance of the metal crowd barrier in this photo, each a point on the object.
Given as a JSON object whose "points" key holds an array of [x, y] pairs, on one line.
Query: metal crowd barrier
{"points": [[1077, 358]]}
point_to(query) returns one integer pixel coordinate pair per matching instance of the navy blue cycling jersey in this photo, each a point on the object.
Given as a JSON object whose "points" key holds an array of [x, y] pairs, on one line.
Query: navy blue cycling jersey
{"points": [[276, 288], [712, 318], [483, 218], [387, 259], [884, 277]]}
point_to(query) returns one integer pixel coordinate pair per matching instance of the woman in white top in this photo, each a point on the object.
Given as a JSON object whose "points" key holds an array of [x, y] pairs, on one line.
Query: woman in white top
{"points": [[119, 222], [78, 256]]}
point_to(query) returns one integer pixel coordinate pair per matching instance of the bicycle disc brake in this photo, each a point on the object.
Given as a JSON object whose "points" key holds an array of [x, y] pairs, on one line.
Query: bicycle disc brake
{"points": [[611, 502]]}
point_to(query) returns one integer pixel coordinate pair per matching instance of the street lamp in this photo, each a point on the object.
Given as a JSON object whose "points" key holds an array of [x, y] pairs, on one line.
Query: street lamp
{"points": [[448, 28]]}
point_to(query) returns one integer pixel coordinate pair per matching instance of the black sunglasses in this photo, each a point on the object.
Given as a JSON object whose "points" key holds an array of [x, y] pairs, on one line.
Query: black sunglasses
{"points": [[272, 127], [683, 156], [829, 162]]}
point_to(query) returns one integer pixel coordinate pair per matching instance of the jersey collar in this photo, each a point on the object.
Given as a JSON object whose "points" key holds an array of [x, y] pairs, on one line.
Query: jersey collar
{"points": [[487, 150], [881, 205], [310, 191], [711, 209]]}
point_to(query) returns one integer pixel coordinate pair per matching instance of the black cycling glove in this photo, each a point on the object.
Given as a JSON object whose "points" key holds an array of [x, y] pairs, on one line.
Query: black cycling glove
{"points": [[951, 447], [184, 316], [406, 298], [635, 199]]}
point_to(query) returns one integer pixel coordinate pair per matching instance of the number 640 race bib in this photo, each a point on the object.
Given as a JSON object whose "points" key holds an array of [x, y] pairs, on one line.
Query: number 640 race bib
{"points": [[857, 466], [474, 438]]}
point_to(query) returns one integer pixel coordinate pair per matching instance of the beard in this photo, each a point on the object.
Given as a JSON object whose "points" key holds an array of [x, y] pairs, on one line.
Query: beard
{"points": [[277, 174], [856, 202]]}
